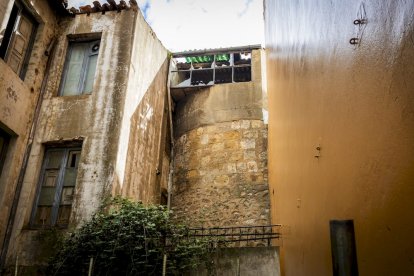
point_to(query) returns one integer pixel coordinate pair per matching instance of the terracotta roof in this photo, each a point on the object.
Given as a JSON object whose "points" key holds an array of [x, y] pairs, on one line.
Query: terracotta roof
{"points": [[111, 5]]}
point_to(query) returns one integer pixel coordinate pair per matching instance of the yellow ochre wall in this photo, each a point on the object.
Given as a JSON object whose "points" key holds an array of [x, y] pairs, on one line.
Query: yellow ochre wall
{"points": [[355, 102]]}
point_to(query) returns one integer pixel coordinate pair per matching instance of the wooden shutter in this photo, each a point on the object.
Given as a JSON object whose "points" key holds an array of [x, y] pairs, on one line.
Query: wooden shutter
{"points": [[57, 187], [68, 190], [50, 178], [90, 74], [19, 43], [74, 69], [91, 66]]}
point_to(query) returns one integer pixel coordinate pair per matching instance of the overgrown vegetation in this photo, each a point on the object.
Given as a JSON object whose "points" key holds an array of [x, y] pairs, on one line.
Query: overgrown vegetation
{"points": [[128, 238]]}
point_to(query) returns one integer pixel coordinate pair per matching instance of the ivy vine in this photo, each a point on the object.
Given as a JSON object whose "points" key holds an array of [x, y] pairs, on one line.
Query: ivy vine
{"points": [[129, 238]]}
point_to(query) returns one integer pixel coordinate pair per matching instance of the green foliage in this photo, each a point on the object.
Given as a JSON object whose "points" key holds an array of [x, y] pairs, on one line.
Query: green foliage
{"points": [[128, 238]]}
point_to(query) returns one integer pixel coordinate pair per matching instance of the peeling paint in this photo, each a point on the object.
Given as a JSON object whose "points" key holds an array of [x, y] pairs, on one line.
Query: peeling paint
{"points": [[120, 85], [17, 104]]}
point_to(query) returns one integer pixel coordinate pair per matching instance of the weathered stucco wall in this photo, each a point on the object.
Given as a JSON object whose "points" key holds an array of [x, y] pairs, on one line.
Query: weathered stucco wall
{"points": [[221, 103], [94, 119], [245, 261], [147, 75], [357, 104], [144, 174], [5, 9], [18, 99], [220, 174]]}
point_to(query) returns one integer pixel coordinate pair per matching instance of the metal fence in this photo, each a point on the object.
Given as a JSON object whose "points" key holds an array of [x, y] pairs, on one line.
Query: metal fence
{"points": [[238, 236]]}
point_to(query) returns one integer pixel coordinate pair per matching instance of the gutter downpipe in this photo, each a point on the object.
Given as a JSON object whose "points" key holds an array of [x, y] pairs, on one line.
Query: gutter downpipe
{"points": [[49, 53], [170, 176]]}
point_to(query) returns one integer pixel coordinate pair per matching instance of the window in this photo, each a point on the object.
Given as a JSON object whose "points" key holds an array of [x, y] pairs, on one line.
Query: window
{"points": [[56, 187], [17, 40], [205, 70], [80, 68], [4, 143]]}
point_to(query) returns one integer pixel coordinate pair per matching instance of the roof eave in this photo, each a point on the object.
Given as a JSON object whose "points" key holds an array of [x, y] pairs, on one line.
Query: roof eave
{"points": [[217, 51]]}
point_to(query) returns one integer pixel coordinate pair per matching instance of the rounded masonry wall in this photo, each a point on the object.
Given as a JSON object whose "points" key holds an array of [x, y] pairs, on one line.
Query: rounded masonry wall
{"points": [[220, 176]]}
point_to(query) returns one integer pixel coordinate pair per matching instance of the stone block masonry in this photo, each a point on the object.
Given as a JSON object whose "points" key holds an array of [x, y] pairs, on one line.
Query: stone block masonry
{"points": [[221, 175]]}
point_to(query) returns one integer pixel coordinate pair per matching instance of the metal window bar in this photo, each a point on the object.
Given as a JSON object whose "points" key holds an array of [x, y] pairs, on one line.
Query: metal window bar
{"points": [[214, 69], [232, 66]]}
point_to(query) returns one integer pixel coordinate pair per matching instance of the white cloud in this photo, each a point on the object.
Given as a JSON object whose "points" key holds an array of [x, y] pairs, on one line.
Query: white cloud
{"points": [[198, 24], [78, 3]]}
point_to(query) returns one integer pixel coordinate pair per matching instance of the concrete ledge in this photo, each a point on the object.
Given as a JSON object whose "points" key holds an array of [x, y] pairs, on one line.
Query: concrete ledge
{"points": [[244, 261]]}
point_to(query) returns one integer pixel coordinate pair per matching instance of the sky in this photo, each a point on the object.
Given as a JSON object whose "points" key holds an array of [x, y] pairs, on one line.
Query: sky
{"points": [[200, 24]]}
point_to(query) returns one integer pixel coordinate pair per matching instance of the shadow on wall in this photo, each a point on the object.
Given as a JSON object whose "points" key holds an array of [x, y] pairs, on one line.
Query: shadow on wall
{"points": [[147, 151], [397, 227]]}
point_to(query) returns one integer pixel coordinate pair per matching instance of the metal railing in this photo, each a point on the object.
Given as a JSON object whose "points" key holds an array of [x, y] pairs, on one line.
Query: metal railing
{"points": [[238, 236]]}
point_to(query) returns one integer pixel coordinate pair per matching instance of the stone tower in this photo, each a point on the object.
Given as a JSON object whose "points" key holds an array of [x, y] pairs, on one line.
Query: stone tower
{"points": [[220, 138]]}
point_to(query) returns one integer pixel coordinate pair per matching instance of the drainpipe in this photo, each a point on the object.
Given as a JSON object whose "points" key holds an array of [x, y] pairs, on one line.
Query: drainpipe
{"points": [[19, 185], [170, 175]]}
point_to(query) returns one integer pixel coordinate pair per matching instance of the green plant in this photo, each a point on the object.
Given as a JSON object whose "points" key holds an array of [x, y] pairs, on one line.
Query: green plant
{"points": [[129, 238]]}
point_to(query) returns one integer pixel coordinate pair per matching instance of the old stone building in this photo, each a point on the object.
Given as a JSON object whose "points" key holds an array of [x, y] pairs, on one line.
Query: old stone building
{"points": [[220, 176], [83, 116], [21, 82], [92, 105]]}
